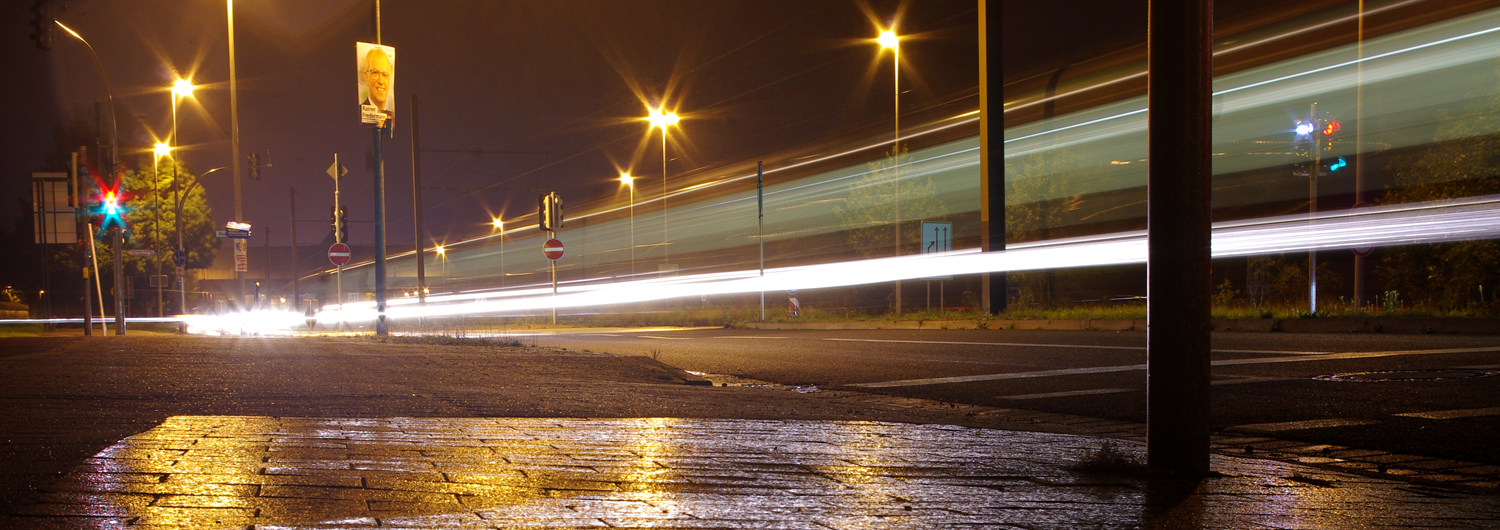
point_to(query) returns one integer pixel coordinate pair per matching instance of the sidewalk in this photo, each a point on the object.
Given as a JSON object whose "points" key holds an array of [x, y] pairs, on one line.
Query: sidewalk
{"points": [[196, 432], [263, 472]]}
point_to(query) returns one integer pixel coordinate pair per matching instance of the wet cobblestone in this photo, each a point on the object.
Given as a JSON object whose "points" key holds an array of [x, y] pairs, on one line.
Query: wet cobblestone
{"points": [[272, 473]]}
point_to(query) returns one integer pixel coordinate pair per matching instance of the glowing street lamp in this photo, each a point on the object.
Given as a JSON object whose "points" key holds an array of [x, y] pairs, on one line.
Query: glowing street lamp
{"points": [[629, 181], [663, 119], [182, 88], [889, 39]]}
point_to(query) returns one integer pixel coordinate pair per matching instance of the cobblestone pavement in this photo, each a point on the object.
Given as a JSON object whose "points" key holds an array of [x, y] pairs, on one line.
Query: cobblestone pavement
{"points": [[265, 472]]}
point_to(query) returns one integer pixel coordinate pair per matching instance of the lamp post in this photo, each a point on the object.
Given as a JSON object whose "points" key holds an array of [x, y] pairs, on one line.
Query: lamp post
{"points": [[889, 39], [159, 151], [629, 181], [660, 118], [499, 224], [182, 88], [114, 162]]}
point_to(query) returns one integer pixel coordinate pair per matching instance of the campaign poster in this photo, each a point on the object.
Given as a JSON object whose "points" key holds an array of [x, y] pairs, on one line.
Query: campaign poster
{"points": [[377, 83]]}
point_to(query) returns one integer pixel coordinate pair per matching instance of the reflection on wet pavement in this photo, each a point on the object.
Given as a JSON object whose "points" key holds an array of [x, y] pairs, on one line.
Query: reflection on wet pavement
{"points": [[237, 472]]}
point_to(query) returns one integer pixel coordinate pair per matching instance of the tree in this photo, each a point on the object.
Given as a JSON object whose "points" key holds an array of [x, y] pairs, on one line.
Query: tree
{"points": [[869, 212], [1463, 161], [1036, 206], [147, 190]]}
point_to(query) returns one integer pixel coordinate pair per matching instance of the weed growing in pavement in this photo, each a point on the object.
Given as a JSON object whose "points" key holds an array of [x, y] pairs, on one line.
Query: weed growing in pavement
{"points": [[655, 354], [1108, 459]]}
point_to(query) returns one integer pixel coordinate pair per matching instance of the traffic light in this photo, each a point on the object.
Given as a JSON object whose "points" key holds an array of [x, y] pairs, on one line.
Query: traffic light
{"points": [[110, 211], [341, 225], [1330, 127], [254, 160], [41, 24], [549, 212]]}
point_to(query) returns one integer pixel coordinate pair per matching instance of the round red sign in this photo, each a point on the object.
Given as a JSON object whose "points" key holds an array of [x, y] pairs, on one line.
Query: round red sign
{"points": [[339, 254], [553, 249]]}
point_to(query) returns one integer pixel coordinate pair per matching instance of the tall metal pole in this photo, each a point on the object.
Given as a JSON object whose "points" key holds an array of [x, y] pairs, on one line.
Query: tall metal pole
{"points": [[339, 276], [296, 256], [1359, 149], [896, 156], [416, 205], [760, 230], [632, 229], [156, 239], [666, 248], [177, 192], [114, 163], [119, 271], [88, 308], [991, 153], [1179, 216], [381, 329], [1312, 210], [234, 137]]}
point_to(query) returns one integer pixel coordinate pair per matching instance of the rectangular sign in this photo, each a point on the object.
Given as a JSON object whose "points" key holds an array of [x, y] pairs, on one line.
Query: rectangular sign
{"points": [[377, 82], [141, 252], [936, 238], [54, 216], [241, 259]]}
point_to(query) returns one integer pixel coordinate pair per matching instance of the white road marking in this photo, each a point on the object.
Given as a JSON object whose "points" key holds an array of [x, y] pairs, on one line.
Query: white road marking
{"points": [[663, 338], [1072, 393], [1139, 367], [1482, 367], [1239, 380], [746, 337], [1306, 424], [1451, 414], [1093, 346]]}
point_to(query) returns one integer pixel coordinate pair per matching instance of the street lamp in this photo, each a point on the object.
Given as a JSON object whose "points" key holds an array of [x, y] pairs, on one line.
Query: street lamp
{"points": [[660, 118], [159, 151], [499, 224], [629, 181], [182, 88], [889, 39]]}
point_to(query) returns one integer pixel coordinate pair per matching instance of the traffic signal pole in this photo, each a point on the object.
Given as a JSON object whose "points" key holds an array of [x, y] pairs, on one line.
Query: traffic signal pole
{"points": [[1179, 215], [1312, 208]]}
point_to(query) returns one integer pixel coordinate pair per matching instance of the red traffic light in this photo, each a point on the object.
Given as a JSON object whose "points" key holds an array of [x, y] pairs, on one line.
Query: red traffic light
{"points": [[1331, 128]]}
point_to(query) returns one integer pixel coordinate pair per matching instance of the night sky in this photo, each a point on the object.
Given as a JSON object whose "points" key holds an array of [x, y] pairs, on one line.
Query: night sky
{"points": [[569, 78]]}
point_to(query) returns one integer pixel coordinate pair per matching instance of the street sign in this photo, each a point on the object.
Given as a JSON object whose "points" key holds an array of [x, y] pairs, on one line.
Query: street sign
{"points": [[179, 258], [553, 249], [221, 234], [237, 230], [141, 252], [338, 254], [241, 256], [937, 238], [337, 170]]}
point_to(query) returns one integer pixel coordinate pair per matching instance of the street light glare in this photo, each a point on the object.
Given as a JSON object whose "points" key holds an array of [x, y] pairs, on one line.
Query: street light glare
{"points": [[662, 119], [162, 149], [888, 39], [498, 223], [440, 250], [626, 179], [183, 88]]}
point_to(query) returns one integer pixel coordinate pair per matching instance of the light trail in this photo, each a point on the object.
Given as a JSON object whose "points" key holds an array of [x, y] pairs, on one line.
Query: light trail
{"points": [[1384, 226]]}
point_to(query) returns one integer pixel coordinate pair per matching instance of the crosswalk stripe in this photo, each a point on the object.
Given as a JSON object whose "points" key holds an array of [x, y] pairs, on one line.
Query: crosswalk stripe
{"points": [[1093, 392], [1302, 425], [1451, 414], [1139, 367]]}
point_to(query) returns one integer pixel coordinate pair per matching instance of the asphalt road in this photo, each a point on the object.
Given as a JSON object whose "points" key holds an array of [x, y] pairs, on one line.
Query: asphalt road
{"points": [[1431, 395]]}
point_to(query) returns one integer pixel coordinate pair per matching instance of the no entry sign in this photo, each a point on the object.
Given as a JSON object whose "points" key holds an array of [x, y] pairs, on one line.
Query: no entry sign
{"points": [[553, 249], [338, 254]]}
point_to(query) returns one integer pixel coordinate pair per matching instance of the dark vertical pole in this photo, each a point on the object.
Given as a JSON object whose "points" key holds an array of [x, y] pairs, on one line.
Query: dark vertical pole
{"points": [[380, 325], [118, 234], [1178, 235], [296, 257], [83, 231], [991, 152], [416, 203]]}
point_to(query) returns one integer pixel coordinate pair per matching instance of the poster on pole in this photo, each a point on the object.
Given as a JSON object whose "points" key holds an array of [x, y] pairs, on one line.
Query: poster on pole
{"points": [[377, 83], [241, 256]]}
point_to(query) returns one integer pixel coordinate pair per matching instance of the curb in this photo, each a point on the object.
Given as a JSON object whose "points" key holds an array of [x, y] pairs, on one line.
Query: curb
{"points": [[1465, 326]]}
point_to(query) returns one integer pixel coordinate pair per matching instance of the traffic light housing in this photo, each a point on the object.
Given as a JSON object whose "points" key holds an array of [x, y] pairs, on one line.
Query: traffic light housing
{"points": [[549, 212], [339, 219], [254, 160], [41, 24]]}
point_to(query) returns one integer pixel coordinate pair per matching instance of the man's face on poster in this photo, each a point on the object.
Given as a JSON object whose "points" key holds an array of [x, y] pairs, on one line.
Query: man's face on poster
{"points": [[378, 77]]}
